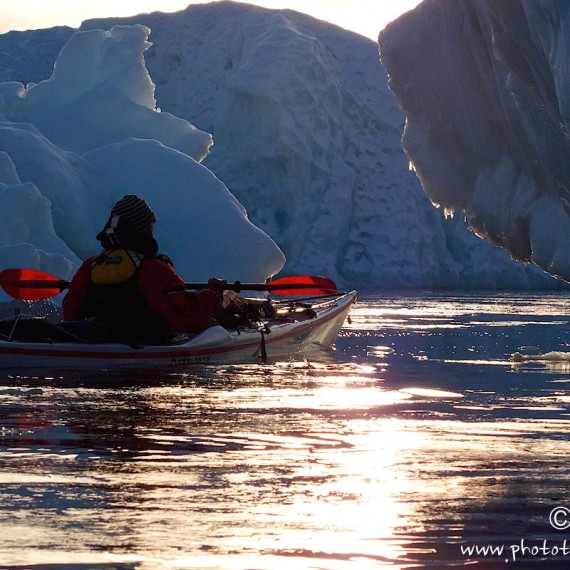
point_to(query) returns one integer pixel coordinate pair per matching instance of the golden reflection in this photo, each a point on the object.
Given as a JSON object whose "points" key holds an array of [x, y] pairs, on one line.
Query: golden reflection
{"points": [[344, 500], [316, 475]]}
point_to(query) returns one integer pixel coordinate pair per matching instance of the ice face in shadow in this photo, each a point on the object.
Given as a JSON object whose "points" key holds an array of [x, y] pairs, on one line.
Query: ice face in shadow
{"points": [[484, 86]]}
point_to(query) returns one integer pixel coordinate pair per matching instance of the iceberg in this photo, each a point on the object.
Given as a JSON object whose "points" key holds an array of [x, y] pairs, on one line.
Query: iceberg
{"points": [[73, 144], [308, 137], [484, 87], [307, 173]]}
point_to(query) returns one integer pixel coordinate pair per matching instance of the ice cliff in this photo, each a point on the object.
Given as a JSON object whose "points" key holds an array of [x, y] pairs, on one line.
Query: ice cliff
{"points": [[484, 85]]}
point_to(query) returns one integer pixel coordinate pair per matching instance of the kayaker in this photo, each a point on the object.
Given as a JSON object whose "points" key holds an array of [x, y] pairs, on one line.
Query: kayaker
{"points": [[131, 291]]}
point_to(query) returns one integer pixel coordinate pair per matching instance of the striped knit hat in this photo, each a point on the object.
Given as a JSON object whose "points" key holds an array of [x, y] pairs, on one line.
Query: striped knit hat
{"points": [[135, 211]]}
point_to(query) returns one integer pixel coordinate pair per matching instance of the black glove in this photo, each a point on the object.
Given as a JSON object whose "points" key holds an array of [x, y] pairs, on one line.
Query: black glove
{"points": [[217, 286], [165, 259]]}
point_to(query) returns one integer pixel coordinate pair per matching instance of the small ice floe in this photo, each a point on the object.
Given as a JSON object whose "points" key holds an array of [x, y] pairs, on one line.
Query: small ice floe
{"points": [[430, 393], [380, 351], [554, 356], [21, 392]]}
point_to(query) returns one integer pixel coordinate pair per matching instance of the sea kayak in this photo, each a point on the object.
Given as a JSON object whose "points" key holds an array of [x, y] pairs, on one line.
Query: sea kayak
{"points": [[298, 328]]}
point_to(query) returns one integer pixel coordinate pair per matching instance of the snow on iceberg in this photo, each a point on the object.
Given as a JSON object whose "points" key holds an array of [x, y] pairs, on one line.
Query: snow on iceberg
{"points": [[57, 199], [100, 92], [484, 86], [64, 178], [26, 216], [207, 229]]}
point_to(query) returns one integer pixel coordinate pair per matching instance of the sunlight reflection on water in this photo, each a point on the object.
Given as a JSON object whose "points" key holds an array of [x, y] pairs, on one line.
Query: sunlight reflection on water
{"points": [[415, 436]]}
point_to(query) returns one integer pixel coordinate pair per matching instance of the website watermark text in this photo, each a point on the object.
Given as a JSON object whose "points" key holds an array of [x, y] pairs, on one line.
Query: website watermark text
{"points": [[559, 520], [516, 551]]}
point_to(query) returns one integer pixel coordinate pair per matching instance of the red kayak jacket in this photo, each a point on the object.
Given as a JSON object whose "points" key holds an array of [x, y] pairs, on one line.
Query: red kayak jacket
{"points": [[162, 290]]}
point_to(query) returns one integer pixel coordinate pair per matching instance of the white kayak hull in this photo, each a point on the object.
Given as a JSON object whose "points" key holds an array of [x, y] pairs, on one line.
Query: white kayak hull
{"points": [[216, 345]]}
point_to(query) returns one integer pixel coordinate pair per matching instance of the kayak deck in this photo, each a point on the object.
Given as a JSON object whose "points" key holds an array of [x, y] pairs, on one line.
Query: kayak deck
{"points": [[286, 337]]}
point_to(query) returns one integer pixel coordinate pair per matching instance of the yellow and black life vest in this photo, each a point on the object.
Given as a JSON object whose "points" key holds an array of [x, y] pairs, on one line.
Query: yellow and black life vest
{"points": [[113, 297], [115, 266]]}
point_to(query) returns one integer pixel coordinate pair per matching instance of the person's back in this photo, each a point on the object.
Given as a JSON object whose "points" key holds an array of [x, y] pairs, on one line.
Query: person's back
{"points": [[113, 298], [132, 290]]}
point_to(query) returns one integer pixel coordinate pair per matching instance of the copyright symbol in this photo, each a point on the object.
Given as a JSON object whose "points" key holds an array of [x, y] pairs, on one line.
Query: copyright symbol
{"points": [[560, 518]]}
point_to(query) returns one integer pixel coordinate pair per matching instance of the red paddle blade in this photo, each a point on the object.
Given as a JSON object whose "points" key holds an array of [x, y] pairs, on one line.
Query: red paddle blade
{"points": [[302, 285], [30, 284]]}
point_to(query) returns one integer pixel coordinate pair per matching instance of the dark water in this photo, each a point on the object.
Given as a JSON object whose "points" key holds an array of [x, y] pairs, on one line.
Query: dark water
{"points": [[413, 444]]}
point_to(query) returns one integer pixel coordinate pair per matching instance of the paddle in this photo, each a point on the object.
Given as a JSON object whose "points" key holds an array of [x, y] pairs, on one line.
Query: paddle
{"points": [[34, 285]]}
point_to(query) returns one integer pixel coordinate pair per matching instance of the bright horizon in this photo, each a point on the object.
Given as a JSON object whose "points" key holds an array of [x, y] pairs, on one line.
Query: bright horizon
{"points": [[365, 17]]}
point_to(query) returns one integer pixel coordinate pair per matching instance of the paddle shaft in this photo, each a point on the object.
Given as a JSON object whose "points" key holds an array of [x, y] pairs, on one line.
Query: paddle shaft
{"points": [[237, 286], [269, 286]]}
